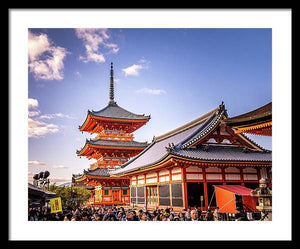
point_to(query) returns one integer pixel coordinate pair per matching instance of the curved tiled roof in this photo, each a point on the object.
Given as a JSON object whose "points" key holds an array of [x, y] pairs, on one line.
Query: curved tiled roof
{"points": [[224, 153], [112, 110], [97, 172], [32, 189], [117, 143], [258, 115], [210, 124], [113, 144]]}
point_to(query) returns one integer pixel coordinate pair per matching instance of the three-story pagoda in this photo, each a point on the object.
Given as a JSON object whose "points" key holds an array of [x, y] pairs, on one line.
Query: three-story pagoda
{"points": [[112, 146]]}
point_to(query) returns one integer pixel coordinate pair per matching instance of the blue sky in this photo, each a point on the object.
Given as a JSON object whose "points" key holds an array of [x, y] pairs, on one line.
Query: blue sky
{"points": [[175, 75]]}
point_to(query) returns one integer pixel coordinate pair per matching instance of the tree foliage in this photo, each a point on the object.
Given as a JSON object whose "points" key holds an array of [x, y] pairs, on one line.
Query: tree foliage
{"points": [[71, 197]]}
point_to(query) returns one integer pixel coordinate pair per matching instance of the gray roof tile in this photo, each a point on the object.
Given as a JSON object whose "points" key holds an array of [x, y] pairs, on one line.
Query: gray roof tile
{"points": [[97, 172], [224, 153], [112, 110], [117, 143]]}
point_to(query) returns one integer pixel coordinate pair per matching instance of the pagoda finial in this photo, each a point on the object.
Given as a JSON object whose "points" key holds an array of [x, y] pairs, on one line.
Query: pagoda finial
{"points": [[111, 88]]}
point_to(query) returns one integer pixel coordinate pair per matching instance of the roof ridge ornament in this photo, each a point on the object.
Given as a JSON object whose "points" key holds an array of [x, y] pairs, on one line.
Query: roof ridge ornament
{"points": [[111, 88], [222, 109], [170, 147]]}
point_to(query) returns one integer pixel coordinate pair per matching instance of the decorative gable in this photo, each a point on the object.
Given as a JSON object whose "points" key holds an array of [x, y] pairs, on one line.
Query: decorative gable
{"points": [[224, 135]]}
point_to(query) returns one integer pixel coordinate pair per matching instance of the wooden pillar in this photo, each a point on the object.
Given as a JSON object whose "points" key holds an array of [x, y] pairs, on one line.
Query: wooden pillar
{"points": [[145, 193], [205, 195], [258, 174], [269, 178], [170, 186], [205, 189], [157, 177], [170, 175], [223, 175], [184, 185], [242, 177]]}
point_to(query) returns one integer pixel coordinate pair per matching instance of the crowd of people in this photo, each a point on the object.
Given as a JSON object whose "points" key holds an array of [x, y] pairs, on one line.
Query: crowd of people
{"points": [[122, 214]]}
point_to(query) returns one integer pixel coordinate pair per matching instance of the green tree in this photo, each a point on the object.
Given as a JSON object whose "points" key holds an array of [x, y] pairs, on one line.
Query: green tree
{"points": [[70, 200]]}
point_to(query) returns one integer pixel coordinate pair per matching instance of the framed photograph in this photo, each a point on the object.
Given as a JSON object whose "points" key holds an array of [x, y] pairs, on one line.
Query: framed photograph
{"points": [[150, 115]]}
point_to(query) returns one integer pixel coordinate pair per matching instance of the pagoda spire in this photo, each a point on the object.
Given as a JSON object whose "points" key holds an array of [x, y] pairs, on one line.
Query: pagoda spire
{"points": [[111, 88]]}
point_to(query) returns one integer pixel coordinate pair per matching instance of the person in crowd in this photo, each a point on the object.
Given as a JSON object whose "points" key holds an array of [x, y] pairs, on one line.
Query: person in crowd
{"points": [[172, 211], [121, 216], [157, 217], [216, 214], [171, 217], [109, 215], [241, 215], [181, 216], [149, 216], [209, 215], [97, 217], [84, 216], [194, 215], [164, 218], [188, 215], [199, 214], [57, 218], [167, 212], [130, 216], [140, 214], [144, 217], [176, 218]]}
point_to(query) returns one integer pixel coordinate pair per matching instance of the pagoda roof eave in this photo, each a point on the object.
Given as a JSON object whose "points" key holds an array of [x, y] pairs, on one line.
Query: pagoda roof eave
{"points": [[111, 144], [117, 143], [90, 116], [80, 179], [256, 117], [113, 112]]}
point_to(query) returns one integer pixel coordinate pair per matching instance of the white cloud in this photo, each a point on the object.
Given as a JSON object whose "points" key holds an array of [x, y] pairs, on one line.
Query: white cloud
{"points": [[51, 116], [36, 163], [38, 129], [135, 68], [60, 166], [33, 113], [33, 103], [94, 40], [113, 48], [37, 45], [32, 107], [59, 179], [132, 70], [146, 90], [45, 60]]}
